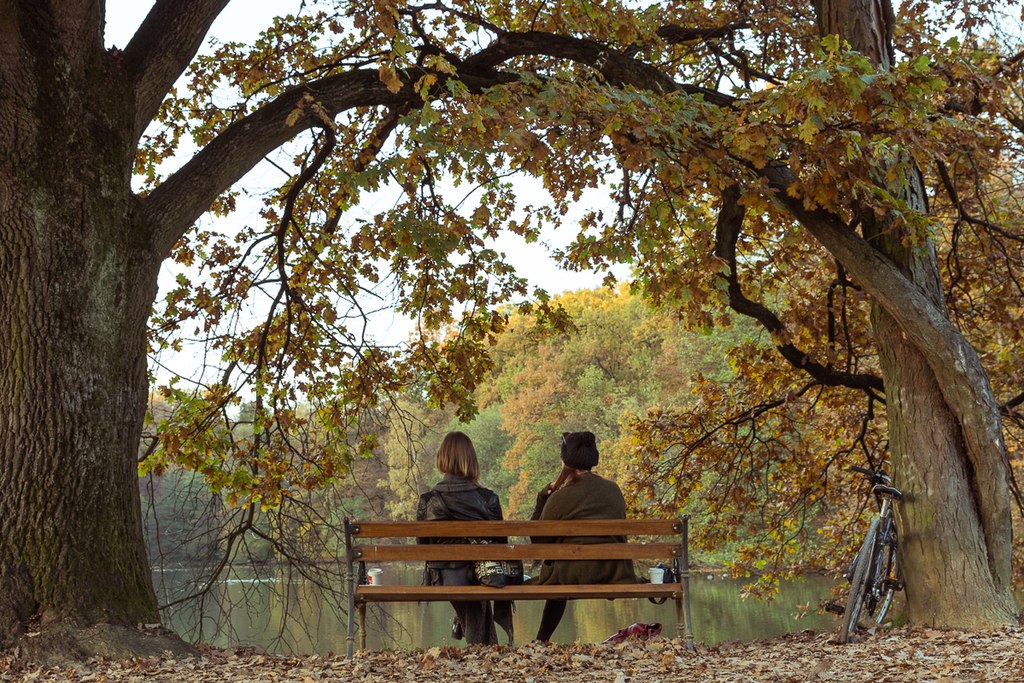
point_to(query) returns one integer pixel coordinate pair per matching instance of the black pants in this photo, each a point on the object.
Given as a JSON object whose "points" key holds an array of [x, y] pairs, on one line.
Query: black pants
{"points": [[549, 620], [476, 617]]}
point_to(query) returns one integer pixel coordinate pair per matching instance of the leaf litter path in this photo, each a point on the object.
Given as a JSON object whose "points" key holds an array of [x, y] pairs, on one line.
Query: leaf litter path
{"points": [[894, 655]]}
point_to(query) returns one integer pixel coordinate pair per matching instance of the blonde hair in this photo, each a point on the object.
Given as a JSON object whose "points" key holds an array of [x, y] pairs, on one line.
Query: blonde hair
{"points": [[457, 456]]}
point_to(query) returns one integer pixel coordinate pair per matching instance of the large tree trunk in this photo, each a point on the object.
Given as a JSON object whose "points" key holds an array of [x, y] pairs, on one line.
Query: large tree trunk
{"points": [[955, 520], [77, 286], [950, 580]]}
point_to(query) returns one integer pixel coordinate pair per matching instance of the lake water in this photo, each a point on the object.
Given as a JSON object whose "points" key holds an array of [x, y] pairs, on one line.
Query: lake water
{"points": [[289, 617]]}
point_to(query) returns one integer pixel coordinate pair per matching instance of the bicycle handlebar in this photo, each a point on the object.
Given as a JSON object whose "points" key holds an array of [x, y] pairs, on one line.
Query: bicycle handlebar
{"points": [[875, 477]]}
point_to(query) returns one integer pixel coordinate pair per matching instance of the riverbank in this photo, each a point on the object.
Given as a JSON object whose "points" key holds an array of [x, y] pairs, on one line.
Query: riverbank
{"points": [[893, 655]]}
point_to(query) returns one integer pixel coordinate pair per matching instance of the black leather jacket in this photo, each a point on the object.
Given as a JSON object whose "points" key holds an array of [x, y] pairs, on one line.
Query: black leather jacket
{"points": [[454, 498]]}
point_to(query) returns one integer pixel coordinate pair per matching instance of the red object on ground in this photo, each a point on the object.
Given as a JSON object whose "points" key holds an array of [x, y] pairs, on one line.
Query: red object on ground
{"points": [[642, 631]]}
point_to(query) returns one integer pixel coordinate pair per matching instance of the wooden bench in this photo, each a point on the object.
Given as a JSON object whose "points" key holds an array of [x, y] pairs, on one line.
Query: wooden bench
{"points": [[647, 543]]}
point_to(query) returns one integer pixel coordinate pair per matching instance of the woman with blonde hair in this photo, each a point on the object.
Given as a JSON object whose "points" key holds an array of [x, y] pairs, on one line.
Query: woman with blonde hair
{"points": [[459, 496]]}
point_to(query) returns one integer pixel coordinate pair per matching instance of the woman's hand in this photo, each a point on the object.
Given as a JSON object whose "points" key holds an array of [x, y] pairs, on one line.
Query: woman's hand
{"points": [[546, 492]]}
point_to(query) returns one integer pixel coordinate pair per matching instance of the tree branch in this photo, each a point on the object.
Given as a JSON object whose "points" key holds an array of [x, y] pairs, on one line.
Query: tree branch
{"points": [[1012, 403], [183, 197], [675, 34], [162, 48], [727, 230], [171, 208], [616, 66]]}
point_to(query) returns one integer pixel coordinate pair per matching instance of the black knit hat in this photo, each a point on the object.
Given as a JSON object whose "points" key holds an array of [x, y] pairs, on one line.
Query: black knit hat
{"points": [[579, 450]]}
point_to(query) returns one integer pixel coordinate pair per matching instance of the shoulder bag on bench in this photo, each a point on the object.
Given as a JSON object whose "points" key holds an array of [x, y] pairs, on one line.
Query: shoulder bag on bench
{"points": [[497, 573]]}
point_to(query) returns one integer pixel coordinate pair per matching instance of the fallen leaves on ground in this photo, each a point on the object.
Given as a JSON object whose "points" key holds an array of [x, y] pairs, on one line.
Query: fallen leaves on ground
{"points": [[894, 655]]}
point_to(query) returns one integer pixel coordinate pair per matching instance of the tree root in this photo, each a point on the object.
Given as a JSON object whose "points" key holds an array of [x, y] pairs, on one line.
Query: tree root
{"points": [[65, 645]]}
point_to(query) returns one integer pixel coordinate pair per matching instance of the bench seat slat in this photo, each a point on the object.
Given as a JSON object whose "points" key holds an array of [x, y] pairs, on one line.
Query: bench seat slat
{"points": [[531, 592], [526, 551], [577, 527]]}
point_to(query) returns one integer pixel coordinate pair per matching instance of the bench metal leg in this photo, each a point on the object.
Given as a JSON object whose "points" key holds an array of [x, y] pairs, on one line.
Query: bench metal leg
{"points": [[680, 628], [351, 636], [685, 629], [362, 626], [350, 583], [684, 578]]}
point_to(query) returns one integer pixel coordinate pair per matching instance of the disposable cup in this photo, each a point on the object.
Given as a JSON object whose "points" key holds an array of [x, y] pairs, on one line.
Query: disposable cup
{"points": [[657, 575], [374, 578]]}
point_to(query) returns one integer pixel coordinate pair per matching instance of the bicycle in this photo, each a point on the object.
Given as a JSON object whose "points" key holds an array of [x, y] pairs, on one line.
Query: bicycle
{"points": [[875, 573]]}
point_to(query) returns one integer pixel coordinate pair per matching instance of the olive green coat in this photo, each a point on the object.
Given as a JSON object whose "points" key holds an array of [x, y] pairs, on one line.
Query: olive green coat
{"points": [[592, 497]]}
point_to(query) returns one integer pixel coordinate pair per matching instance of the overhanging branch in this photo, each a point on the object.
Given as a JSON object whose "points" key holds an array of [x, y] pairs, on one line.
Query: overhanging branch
{"points": [[727, 231], [616, 66], [175, 205], [675, 34], [181, 199]]}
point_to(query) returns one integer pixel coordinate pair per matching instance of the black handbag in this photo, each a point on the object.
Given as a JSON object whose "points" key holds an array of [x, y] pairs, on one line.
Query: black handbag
{"points": [[497, 573]]}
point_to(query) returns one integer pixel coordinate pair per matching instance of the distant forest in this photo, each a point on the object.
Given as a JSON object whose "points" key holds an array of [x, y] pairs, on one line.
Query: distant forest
{"points": [[614, 360]]}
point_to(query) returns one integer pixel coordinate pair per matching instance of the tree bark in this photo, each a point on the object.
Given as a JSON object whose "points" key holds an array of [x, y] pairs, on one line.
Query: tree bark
{"points": [[947, 450], [947, 564], [77, 281]]}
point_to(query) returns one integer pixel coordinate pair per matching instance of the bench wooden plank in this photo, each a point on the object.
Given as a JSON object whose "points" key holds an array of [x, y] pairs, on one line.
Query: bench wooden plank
{"points": [[526, 592], [576, 527], [536, 551]]}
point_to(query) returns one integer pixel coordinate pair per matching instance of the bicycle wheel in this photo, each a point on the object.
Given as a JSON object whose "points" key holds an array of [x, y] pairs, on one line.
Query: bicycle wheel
{"points": [[860, 583], [888, 580]]}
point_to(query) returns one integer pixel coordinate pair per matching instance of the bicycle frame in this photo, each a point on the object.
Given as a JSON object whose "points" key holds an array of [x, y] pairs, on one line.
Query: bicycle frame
{"points": [[886, 538], [875, 573], [887, 528]]}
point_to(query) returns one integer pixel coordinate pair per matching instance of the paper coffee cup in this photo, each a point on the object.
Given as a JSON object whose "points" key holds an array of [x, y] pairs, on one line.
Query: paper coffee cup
{"points": [[373, 576], [657, 575]]}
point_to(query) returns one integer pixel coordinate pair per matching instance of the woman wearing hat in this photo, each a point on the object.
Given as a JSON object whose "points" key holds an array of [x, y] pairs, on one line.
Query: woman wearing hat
{"points": [[578, 493]]}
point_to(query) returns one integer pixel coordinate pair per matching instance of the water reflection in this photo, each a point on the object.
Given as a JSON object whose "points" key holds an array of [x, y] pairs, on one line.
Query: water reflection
{"points": [[288, 616]]}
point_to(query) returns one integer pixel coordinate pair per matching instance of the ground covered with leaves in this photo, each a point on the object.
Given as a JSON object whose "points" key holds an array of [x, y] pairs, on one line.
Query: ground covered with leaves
{"points": [[896, 655]]}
